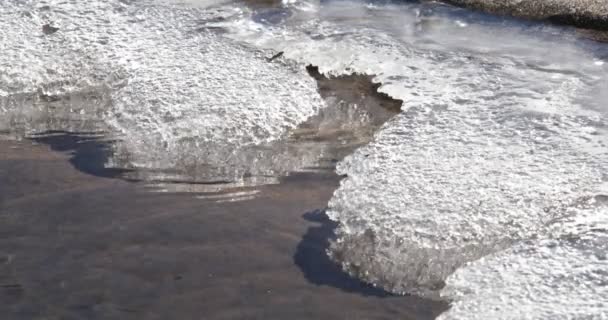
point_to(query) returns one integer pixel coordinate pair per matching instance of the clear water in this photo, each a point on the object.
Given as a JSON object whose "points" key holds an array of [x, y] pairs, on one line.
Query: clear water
{"points": [[488, 188]]}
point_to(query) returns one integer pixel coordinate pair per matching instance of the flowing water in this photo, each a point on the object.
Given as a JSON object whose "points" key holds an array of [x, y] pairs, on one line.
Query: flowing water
{"points": [[488, 188]]}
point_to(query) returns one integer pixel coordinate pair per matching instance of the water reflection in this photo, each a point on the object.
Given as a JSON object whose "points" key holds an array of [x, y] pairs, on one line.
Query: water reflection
{"points": [[74, 123], [354, 111]]}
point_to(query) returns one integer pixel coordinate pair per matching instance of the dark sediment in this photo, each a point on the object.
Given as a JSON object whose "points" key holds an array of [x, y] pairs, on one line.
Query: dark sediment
{"points": [[589, 14]]}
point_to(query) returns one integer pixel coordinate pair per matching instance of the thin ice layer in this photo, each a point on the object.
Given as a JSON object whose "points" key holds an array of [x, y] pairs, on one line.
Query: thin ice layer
{"points": [[178, 95], [497, 137]]}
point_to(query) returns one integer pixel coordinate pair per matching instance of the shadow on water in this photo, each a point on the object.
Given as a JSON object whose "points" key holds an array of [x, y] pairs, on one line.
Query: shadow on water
{"points": [[89, 153], [311, 257]]}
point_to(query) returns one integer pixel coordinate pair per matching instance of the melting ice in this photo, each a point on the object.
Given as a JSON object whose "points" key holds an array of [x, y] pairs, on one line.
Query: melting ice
{"points": [[487, 189], [503, 133]]}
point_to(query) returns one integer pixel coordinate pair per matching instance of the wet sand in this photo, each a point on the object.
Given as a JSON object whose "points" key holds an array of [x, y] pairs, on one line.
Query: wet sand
{"points": [[78, 246]]}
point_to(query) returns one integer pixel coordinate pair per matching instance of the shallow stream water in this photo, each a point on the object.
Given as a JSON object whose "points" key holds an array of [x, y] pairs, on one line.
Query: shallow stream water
{"points": [[488, 188]]}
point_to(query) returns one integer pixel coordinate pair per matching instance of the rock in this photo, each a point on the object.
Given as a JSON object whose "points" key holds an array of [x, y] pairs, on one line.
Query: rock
{"points": [[590, 14], [48, 29]]}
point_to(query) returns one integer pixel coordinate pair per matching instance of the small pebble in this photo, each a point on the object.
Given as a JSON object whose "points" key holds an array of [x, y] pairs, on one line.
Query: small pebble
{"points": [[48, 29]]}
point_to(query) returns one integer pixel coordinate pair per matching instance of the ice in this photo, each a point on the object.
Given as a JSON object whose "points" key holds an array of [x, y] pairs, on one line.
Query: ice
{"points": [[500, 134], [176, 94]]}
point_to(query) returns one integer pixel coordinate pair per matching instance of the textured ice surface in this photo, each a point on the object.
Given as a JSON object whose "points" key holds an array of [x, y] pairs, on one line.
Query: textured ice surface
{"points": [[565, 277], [179, 95], [550, 279], [500, 134]]}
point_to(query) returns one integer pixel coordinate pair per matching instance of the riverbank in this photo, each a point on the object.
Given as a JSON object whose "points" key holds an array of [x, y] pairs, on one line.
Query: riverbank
{"points": [[588, 14]]}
